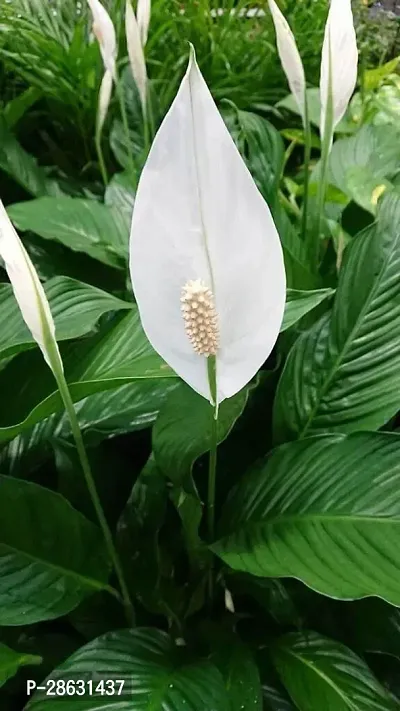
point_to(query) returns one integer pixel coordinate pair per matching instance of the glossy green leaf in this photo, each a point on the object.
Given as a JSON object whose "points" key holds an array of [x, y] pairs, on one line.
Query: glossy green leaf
{"points": [[16, 108], [320, 673], [157, 675], [119, 354], [82, 225], [182, 432], [299, 303], [360, 164], [324, 510], [21, 166], [120, 197], [11, 661], [347, 366], [76, 308], [128, 408], [264, 152], [51, 560]]}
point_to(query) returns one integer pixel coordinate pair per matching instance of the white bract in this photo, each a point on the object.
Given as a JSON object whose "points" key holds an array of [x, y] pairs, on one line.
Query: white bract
{"points": [[290, 57], [143, 19], [135, 52], [205, 257], [28, 291], [338, 66], [104, 32]]}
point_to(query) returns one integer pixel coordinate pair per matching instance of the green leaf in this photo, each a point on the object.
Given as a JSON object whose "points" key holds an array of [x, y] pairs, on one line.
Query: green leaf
{"points": [[347, 366], [21, 166], [120, 197], [157, 675], [76, 308], [359, 165], [82, 225], [182, 432], [320, 673], [11, 661], [324, 510], [50, 560], [264, 152], [372, 78], [296, 135], [119, 354], [239, 671], [17, 107], [299, 303]]}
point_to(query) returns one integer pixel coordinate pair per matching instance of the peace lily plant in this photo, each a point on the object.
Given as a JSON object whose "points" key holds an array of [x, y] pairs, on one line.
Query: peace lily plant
{"points": [[205, 257], [35, 311], [338, 79]]}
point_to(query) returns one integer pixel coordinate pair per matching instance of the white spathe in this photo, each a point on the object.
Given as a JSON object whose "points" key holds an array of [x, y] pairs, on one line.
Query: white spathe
{"points": [[104, 32], [143, 19], [135, 53], [339, 61], [104, 99], [28, 291], [290, 57], [198, 215]]}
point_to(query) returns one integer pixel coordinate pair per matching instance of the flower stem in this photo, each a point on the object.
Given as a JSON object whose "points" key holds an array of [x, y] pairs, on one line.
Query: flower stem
{"points": [[124, 116], [307, 158], [212, 466], [76, 432], [100, 156]]}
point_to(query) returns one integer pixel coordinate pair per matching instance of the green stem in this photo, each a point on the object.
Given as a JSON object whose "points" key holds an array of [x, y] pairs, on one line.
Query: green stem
{"points": [[121, 99], [307, 159], [323, 177], [212, 466], [100, 156], [76, 432]]}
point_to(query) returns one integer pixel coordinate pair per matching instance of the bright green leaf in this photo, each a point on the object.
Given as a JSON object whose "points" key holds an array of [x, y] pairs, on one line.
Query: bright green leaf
{"points": [[157, 675], [320, 673], [324, 510], [50, 560], [82, 225], [76, 308], [119, 354], [299, 303], [347, 366], [11, 661]]}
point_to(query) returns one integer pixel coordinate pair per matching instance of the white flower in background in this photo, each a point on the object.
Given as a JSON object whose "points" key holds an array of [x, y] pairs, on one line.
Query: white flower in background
{"points": [[135, 52], [28, 292], [290, 57], [143, 19], [339, 64], [104, 31], [205, 257]]}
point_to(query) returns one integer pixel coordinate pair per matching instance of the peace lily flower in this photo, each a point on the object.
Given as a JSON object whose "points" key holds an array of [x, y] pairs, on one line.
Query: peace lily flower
{"points": [[137, 61], [29, 292], [205, 257], [104, 32], [338, 66], [290, 57], [143, 19]]}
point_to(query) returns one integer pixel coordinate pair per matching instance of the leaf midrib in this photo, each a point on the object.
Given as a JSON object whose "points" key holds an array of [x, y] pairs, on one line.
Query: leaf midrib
{"points": [[311, 517], [338, 361], [88, 582]]}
